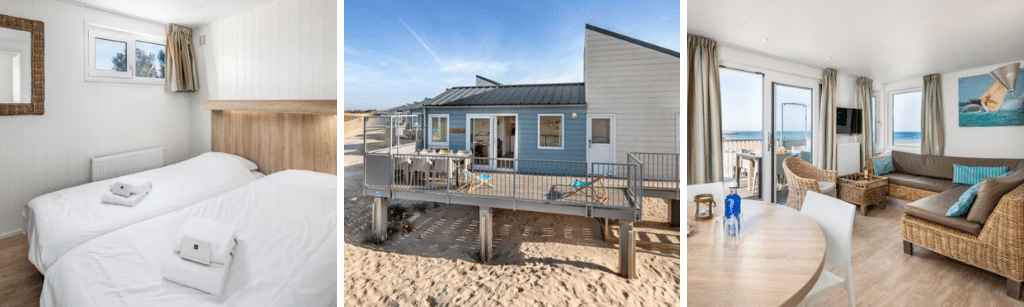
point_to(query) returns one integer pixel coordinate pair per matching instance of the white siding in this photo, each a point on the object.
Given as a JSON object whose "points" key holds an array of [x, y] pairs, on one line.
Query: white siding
{"points": [[42, 154], [284, 49], [640, 86]]}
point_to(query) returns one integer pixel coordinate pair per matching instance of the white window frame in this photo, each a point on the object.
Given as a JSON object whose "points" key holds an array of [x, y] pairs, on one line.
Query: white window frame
{"points": [[891, 131], [447, 133], [561, 132], [94, 31]]}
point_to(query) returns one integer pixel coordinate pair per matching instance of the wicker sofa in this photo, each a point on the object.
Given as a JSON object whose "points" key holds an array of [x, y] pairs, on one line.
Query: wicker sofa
{"points": [[996, 244]]}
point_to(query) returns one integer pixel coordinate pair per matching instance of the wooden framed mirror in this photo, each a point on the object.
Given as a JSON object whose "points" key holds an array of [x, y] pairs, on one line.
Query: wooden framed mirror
{"points": [[21, 66]]}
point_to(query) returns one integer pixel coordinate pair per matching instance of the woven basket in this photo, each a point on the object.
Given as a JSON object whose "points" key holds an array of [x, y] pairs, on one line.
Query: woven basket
{"points": [[855, 188]]}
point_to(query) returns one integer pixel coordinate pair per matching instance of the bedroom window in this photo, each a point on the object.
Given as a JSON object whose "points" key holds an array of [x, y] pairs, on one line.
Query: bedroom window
{"points": [[906, 119], [550, 131], [122, 56], [439, 130]]}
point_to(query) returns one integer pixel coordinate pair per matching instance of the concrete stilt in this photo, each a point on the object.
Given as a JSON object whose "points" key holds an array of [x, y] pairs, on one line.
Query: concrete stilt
{"points": [[486, 235], [627, 250], [379, 219]]}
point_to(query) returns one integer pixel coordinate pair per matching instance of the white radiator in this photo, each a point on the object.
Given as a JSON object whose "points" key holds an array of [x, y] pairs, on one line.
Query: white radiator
{"points": [[848, 158], [111, 166]]}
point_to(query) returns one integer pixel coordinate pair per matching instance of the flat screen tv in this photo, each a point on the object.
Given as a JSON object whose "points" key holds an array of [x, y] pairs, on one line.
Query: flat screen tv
{"points": [[848, 121]]}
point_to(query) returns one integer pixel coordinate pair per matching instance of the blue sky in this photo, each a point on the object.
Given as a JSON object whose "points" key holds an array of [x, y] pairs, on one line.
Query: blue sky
{"points": [[742, 106], [400, 52]]}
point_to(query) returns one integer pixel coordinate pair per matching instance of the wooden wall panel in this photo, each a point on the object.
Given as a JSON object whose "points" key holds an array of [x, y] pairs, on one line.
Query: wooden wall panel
{"points": [[278, 141]]}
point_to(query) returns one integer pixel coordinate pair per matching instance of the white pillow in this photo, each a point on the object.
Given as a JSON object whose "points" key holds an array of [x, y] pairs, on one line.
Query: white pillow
{"points": [[245, 162], [258, 174]]}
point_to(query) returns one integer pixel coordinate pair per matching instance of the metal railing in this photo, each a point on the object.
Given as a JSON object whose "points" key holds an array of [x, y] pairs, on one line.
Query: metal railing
{"points": [[605, 185], [661, 170]]}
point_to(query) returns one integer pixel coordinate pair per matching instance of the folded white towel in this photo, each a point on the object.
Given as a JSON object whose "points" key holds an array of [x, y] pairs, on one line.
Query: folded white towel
{"points": [[131, 201], [137, 184], [206, 278], [220, 235]]}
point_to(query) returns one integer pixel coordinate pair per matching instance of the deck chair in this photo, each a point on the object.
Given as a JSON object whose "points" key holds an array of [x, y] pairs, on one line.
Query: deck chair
{"points": [[473, 181], [600, 196]]}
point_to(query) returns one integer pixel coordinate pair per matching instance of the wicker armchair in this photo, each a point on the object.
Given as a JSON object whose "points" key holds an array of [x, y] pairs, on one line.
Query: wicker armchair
{"points": [[802, 177]]}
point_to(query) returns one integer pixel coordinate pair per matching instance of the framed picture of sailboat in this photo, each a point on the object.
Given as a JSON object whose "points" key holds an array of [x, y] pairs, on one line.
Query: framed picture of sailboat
{"points": [[987, 102]]}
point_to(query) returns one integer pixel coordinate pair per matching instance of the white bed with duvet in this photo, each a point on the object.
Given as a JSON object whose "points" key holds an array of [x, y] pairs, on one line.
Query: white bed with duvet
{"points": [[59, 221], [285, 253]]}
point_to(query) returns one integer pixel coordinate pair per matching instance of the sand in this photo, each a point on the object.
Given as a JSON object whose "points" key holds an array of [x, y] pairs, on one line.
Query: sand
{"points": [[540, 259]]}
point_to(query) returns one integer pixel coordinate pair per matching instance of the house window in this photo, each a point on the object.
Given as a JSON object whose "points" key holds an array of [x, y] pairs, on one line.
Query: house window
{"points": [[122, 56], [906, 119], [550, 131], [439, 130]]}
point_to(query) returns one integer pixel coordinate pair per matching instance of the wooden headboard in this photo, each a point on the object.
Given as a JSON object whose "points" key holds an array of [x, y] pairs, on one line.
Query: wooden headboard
{"points": [[278, 134]]}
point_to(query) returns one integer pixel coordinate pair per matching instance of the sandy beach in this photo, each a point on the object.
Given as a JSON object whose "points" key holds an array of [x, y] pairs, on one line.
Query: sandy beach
{"points": [[540, 259]]}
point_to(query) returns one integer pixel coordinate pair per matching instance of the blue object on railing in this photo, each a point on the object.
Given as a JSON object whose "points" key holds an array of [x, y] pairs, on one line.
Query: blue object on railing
{"points": [[580, 184]]}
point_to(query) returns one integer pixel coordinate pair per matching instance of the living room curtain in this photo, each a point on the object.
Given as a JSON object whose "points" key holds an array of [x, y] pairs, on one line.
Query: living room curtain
{"points": [[868, 122], [827, 122], [181, 72], [932, 134], [704, 112]]}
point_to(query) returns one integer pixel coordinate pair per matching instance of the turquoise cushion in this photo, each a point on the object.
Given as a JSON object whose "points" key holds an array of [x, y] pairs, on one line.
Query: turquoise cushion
{"points": [[963, 205], [883, 165], [975, 174]]}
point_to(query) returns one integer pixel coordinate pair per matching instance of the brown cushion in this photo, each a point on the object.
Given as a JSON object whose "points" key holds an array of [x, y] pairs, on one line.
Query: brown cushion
{"points": [[989, 193], [942, 167], [921, 182], [933, 209]]}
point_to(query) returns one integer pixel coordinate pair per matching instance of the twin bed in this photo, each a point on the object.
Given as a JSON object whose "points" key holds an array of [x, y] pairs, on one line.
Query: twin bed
{"points": [[95, 254]]}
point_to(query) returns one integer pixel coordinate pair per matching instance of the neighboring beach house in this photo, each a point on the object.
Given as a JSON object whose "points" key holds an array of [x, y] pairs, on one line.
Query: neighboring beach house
{"points": [[628, 102]]}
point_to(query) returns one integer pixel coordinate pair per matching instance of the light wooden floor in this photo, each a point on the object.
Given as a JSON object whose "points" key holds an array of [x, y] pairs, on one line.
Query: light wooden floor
{"points": [[884, 276], [20, 282]]}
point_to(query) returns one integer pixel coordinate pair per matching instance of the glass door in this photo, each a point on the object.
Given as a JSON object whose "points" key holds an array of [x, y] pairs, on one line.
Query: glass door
{"points": [[743, 134], [793, 131], [480, 140]]}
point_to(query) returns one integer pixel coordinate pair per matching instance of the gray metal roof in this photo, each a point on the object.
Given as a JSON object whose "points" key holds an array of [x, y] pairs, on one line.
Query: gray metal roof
{"points": [[409, 106], [520, 94]]}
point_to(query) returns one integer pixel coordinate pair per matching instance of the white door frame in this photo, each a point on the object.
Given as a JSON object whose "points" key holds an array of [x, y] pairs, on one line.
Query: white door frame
{"points": [[612, 142], [493, 131]]}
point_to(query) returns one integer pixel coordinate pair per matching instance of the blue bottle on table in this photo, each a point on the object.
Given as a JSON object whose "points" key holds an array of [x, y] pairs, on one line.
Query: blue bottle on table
{"points": [[732, 212]]}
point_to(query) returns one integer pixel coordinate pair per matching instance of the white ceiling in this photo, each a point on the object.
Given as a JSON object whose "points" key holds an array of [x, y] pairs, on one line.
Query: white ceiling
{"points": [[191, 13], [880, 39]]}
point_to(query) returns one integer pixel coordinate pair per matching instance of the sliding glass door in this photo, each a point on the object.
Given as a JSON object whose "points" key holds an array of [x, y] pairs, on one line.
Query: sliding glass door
{"points": [[742, 130], [793, 131]]}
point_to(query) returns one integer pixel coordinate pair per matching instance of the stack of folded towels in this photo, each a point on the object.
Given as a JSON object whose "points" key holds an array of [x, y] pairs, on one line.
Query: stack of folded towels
{"points": [[207, 278], [134, 190]]}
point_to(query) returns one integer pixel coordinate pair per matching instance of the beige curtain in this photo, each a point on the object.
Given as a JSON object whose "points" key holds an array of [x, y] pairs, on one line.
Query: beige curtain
{"points": [[704, 112], [932, 134], [827, 120], [181, 72], [868, 123]]}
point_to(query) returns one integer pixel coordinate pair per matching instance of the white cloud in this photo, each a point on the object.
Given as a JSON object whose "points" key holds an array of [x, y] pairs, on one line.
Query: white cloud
{"points": [[479, 68]]}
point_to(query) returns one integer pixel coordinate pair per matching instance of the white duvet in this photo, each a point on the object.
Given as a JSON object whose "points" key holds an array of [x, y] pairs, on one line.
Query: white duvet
{"points": [[286, 253], [59, 221]]}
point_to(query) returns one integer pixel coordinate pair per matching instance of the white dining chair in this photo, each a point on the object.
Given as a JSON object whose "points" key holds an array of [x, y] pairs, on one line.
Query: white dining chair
{"points": [[716, 189], [835, 217]]}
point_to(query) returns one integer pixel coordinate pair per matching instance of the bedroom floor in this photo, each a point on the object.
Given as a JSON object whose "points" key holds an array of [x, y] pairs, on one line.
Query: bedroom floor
{"points": [[20, 282]]}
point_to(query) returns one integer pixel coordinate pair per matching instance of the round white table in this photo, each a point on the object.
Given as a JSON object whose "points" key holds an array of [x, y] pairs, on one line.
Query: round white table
{"points": [[777, 262]]}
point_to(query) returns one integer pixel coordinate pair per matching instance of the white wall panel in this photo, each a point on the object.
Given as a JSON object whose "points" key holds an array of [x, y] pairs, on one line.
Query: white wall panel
{"points": [[285, 49], [42, 154]]}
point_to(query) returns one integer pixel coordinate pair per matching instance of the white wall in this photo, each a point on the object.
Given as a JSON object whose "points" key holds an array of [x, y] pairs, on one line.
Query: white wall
{"points": [[640, 86], [285, 49], [41, 154], [984, 142]]}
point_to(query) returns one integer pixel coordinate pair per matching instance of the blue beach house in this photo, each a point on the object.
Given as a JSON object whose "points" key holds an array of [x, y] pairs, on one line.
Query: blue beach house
{"points": [[628, 102]]}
